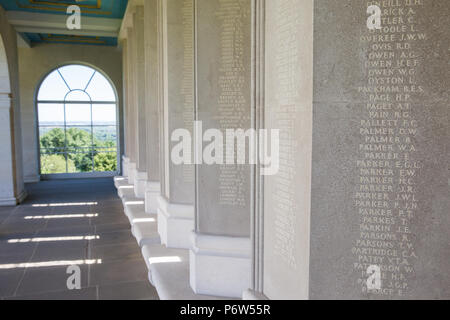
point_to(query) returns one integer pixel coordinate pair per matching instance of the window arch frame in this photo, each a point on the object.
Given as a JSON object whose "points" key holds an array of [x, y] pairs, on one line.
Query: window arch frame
{"points": [[116, 102]]}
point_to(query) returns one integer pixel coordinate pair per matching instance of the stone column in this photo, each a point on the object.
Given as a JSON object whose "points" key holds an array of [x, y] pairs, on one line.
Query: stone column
{"points": [[126, 115], [380, 179], [152, 102], [7, 193], [176, 203], [140, 179], [282, 226], [221, 249], [131, 107]]}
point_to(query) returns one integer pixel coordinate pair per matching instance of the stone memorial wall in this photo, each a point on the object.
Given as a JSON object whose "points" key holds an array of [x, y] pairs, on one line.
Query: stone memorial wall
{"points": [[288, 108], [151, 89], [179, 109], [131, 99], [380, 203], [224, 102], [139, 90]]}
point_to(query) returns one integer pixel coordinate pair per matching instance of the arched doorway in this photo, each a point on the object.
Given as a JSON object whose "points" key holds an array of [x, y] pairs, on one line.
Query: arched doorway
{"points": [[77, 123]]}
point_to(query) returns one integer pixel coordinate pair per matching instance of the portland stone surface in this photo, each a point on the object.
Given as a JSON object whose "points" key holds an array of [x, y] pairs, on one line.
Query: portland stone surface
{"points": [[380, 178], [152, 97], [288, 108], [179, 96], [224, 102]]}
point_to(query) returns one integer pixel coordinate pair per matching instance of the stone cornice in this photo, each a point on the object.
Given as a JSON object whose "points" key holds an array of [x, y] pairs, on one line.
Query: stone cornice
{"points": [[127, 21]]}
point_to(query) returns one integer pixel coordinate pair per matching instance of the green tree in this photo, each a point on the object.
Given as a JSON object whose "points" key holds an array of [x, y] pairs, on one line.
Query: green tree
{"points": [[105, 162], [79, 152], [76, 139], [53, 141], [55, 163]]}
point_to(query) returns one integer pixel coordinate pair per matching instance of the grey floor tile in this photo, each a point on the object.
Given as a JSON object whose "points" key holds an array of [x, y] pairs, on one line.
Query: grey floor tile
{"points": [[128, 251], [72, 231], [141, 290], [109, 218], [82, 209], [109, 207], [18, 259], [68, 222], [83, 294], [113, 238], [9, 280], [117, 272], [5, 214], [113, 227], [114, 201], [19, 225], [29, 210], [120, 273], [61, 250], [16, 252], [7, 210], [48, 279], [105, 197]]}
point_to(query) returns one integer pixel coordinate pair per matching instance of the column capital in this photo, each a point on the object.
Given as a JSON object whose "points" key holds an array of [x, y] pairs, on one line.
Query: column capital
{"points": [[127, 20]]}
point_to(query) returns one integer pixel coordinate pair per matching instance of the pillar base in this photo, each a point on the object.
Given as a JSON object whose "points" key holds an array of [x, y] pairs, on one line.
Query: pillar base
{"points": [[131, 172], [120, 181], [140, 183], [8, 202], [253, 295], [175, 224], [220, 266], [13, 201], [125, 165], [152, 192]]}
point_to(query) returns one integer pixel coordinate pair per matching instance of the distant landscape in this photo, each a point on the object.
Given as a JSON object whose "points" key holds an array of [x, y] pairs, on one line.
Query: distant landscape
{"points": [[76, 149], [103, 131]]}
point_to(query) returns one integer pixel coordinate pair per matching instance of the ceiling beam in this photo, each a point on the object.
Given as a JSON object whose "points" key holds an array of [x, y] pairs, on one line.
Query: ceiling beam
{"points": [[92, 33], [57, 24]]}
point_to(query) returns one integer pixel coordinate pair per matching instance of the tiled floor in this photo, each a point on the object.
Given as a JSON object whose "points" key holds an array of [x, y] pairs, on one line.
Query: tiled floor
{"points": [[64, 223]]}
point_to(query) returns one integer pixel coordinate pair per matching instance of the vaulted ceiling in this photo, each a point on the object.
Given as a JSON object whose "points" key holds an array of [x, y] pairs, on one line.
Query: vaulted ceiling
{"points": [[44, 21]]}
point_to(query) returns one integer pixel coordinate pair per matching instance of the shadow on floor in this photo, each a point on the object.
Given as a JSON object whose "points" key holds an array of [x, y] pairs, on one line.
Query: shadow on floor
{"points": [[70, 222]]}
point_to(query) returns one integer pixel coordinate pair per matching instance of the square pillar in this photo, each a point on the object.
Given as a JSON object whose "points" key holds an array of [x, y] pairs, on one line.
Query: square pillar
{"points": [[152, 104], [176, 202], [130, 107], [282, 227], [220, 256], [138, 55]]}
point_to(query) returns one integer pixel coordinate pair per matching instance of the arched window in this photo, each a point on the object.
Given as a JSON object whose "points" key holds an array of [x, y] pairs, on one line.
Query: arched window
{"points": [[78, 127]]}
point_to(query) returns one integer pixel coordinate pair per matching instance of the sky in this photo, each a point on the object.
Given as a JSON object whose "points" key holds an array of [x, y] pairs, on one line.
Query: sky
{"points": [[76, 83]]}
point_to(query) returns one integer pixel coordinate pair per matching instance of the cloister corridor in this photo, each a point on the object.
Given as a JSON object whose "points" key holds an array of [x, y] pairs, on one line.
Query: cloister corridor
{"points": [[67, 222], [224, 150]]}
